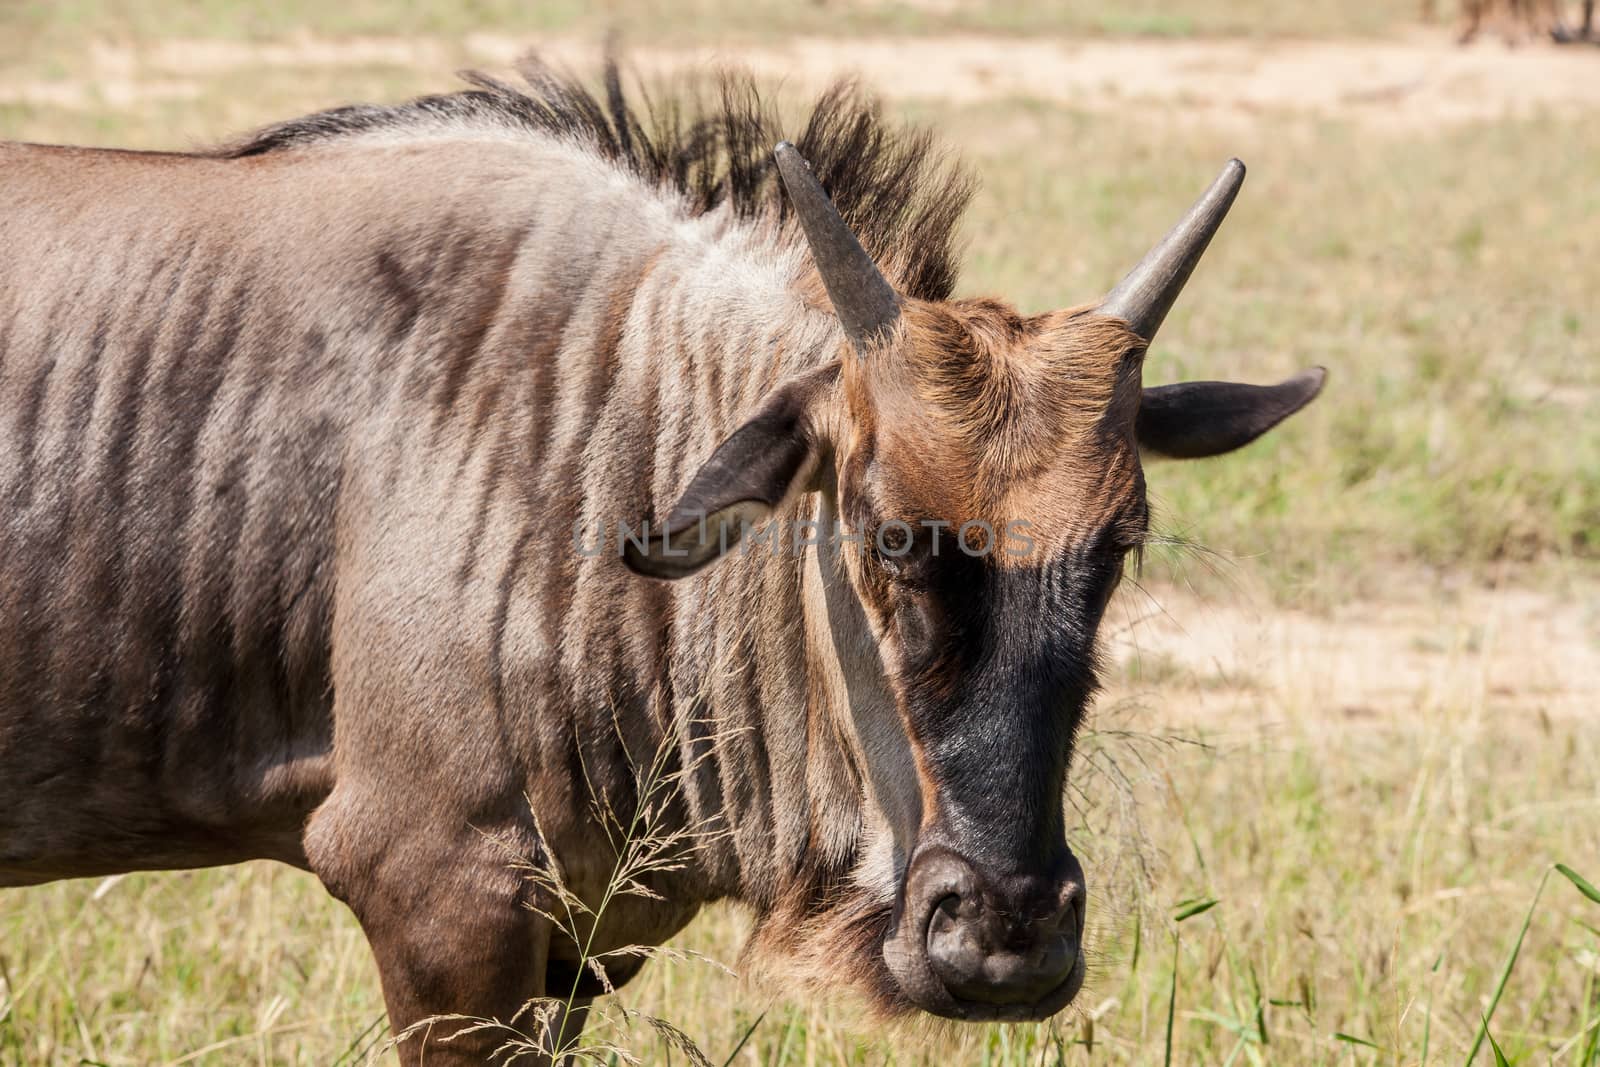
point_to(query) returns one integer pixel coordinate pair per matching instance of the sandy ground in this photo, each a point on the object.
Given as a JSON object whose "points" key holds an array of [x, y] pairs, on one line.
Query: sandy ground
{"points": [[1407, 83], [1471, 650]]}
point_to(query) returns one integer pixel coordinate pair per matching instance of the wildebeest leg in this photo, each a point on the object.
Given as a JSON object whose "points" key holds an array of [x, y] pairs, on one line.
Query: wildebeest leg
{"points": [[442, 911]]}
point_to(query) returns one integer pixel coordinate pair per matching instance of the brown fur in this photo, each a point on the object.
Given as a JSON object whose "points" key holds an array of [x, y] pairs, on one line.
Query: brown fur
{"points": [[979, 415]]}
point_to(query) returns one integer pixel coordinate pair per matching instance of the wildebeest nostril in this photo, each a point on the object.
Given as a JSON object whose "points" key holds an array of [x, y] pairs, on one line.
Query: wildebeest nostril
{"points": [[982, 954]]}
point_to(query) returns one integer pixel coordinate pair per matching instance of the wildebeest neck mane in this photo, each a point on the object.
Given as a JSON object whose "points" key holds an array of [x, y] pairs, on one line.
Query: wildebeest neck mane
{"points": [[712, 145]]}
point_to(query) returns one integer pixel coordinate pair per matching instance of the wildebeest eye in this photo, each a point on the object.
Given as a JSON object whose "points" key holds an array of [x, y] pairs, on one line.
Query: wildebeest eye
{"points": [[1128, 534], [893, 547], [1126, 547]]}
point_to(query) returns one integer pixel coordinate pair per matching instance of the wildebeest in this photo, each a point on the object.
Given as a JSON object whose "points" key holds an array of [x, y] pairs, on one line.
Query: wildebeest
{"points": [[305, 446], [1521, 20]]}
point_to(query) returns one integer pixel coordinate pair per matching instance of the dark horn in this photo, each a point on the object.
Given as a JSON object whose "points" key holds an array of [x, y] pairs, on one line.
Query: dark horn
{"points": [[862, 298], [1144, 297]]}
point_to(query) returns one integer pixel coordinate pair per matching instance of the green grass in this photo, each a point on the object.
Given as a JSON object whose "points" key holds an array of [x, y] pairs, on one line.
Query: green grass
{"points": [[1370, 873]]}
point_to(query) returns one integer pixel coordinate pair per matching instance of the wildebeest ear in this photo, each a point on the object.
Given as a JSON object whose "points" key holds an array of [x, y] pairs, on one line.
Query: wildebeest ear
{"points": [[750, 474], [1194, 419]]}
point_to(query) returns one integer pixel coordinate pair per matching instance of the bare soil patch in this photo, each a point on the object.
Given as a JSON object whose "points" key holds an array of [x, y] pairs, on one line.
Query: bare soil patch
{"points": [[1407, 83], [1469, 650]]}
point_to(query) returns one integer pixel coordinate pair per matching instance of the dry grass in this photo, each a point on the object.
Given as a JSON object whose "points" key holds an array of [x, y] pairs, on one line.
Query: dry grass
{"points": [[42, 33], [1371, 829], [1371, 866]]}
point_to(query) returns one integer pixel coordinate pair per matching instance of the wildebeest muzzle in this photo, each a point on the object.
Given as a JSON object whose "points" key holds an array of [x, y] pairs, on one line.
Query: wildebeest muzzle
{"points": [[974, 944]]}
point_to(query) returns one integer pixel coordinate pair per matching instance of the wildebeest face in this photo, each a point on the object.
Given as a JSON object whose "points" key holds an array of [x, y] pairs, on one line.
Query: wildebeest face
{"points": [[992, 479], [987, 469]]}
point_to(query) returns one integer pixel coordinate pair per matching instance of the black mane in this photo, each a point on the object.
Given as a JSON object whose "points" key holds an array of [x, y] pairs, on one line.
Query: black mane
{"points": [[894, 187]]}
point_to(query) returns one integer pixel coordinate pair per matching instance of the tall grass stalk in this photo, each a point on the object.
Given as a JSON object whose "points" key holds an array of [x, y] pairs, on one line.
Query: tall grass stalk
{"points": [[646, 843], [1583, 887]]}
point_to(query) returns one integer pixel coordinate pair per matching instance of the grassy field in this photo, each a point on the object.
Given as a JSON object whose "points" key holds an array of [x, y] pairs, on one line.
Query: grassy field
{"points": [[61, 26], [1372, 821], [1372, 866]]}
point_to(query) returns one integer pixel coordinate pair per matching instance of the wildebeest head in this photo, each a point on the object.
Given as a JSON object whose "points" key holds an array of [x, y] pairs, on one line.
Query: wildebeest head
{"points": [[988, 467]]}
